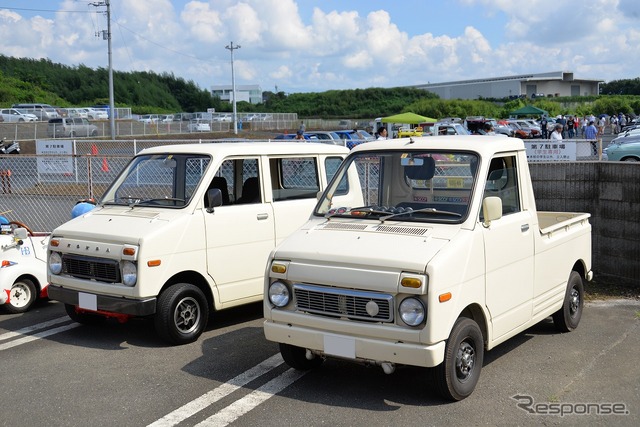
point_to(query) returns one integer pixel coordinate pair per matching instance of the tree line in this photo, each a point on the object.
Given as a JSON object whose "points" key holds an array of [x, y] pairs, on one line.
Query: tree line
{"points": [[25, 80]]}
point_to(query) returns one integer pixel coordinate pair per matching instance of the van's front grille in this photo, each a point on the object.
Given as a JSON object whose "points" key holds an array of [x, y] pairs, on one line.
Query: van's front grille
{"points": [[347, 303], [100, 269]]}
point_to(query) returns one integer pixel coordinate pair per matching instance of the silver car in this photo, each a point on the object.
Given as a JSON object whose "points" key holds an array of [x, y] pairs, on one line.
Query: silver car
{"points": [[71, 127]]}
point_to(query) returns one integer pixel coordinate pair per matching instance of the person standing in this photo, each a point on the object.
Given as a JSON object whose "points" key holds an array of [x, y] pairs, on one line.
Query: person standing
{"points": [[382, 133], [556, 135], [590, 134], [543, 127], [570, 126]]}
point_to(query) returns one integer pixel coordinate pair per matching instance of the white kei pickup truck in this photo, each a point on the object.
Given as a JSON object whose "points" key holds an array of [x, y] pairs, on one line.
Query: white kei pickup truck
{"points": [[23, 266], [426, 252], [185, 230]]}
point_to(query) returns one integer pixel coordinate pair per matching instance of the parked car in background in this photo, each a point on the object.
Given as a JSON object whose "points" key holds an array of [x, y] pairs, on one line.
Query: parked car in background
{"points": [[624, 152], [199, 125], [71, 127], [291, 136], [326, 136], [532, 129], [354, 137], [96, 113], [16, 115], [77, 112], [43, 112], [166, 118], [149, 118], [518, 131]]}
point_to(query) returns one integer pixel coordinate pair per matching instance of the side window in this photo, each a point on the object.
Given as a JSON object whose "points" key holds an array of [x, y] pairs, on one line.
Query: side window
{"points": [[250, 191], [331, 165], [294, 178], [502, 181]]}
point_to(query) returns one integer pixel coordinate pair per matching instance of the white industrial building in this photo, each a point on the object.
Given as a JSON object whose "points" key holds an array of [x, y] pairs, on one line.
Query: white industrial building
{"points": [[556, 83], [249, 93]]}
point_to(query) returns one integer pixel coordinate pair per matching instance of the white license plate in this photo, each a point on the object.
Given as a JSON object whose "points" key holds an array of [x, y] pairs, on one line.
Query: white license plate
{"points": [[88, 301], [340, 346]]}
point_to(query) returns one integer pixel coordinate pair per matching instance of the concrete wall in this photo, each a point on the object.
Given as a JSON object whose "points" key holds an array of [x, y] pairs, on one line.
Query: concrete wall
{"points": [[610, 192]]}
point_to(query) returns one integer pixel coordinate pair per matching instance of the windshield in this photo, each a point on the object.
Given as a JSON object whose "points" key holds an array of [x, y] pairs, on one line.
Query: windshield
{"points": [[165, 180], [419, 185]]}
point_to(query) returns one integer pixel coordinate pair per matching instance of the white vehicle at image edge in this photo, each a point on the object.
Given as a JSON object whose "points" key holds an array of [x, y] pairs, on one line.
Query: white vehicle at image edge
{"points": [[14, 115], [185, 230], [440, 257], [23, 266]]}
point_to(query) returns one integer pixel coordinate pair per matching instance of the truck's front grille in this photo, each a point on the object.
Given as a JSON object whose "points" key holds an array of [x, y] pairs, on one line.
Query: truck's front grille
{"points": [[100, 269], [344, 303]]}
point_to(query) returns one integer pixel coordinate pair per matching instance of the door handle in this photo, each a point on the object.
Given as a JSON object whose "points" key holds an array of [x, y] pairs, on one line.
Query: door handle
{"points": [[262, 216], [524, 227]]}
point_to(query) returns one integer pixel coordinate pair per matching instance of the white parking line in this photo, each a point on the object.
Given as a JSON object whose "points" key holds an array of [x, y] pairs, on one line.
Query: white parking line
{"points": [[29, 338], [218, 393], [32, 328], [241, 406]]}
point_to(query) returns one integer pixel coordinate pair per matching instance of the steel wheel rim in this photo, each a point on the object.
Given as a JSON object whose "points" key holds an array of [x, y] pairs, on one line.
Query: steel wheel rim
{"points": [[186, 316], [20, 295], [574, 302], [465, 361]]}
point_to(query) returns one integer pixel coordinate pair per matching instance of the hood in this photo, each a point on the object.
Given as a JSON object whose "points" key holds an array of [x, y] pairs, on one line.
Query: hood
{"points": [[389, 246], [117, 223]]}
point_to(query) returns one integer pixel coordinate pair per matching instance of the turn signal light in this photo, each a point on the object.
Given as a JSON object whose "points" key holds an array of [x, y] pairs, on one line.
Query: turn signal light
{"points": [[128, 251], [411, 282], [154, 263], [444, 297], [54, 243], [278, 268]]}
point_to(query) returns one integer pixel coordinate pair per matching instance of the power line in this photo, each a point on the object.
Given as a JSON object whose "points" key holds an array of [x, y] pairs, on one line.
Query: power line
{"points": [[22, 9]]}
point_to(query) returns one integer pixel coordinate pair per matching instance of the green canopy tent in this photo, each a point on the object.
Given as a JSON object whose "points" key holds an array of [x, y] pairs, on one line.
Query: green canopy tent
{"points": [[529, 110], [408, 118]]}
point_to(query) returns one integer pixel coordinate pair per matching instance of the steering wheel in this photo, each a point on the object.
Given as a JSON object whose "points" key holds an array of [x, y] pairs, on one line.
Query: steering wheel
{"points": [[21, 225]]}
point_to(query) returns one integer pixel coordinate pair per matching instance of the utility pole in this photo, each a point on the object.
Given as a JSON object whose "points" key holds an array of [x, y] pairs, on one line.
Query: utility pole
{"points": [[231, 47], [107, 36]]}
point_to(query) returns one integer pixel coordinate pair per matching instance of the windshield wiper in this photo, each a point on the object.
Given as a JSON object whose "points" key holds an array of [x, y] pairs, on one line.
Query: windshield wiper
{"points": [[423, 210], [134, 201], [359, 212]]}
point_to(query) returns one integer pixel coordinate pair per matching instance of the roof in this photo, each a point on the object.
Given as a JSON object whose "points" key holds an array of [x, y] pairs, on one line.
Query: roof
{"points": [[529, 110], [485, 145], [408, 118], [249, 148]]}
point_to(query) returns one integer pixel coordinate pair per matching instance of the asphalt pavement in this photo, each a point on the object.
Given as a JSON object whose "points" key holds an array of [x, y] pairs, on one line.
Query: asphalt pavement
{"points": [[59, 373]]}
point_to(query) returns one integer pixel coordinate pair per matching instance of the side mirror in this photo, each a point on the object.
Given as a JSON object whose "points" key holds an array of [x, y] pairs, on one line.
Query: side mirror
{"points": [[20, 233], [213, 199], [491, 209]]}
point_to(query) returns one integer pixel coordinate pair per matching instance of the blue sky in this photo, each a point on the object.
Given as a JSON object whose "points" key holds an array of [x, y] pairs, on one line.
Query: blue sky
{"points": [[313, 46]]}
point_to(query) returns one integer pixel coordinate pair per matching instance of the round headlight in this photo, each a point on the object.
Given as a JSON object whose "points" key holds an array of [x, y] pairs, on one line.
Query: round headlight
{"points": [[412, 311], [279, 294], [129, 273], [55, 263]]}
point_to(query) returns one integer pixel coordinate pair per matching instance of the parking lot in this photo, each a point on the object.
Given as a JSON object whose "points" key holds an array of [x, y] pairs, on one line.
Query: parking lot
{"points": [[58, 373]]}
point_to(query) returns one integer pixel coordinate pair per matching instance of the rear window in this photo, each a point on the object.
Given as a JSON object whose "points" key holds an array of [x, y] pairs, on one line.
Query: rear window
{"points": [[55, 121]]}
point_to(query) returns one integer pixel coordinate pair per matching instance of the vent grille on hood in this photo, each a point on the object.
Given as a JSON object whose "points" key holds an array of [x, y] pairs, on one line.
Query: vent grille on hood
{"points": [[403, 230], [343, 226]]}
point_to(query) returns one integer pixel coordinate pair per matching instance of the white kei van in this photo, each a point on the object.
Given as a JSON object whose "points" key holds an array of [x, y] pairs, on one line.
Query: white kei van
{"points": [[185, 230]]}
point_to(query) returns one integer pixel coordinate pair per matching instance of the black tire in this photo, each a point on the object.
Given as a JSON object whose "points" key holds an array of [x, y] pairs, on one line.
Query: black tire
{"points": [[22, 295], [568, 317], [456, 377], [295, 357], [81, 317], [94, 133], [72, 134], [182, 314]]}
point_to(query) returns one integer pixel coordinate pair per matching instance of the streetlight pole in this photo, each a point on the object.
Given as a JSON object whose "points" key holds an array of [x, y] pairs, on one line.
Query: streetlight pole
{"points": [[231, 47], [107, 36]]}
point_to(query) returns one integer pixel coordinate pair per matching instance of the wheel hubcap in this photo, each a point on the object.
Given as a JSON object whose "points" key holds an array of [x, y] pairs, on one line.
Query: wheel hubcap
{"points": [[574, 302], [19, 295], [187, 315], [465, 361]]}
